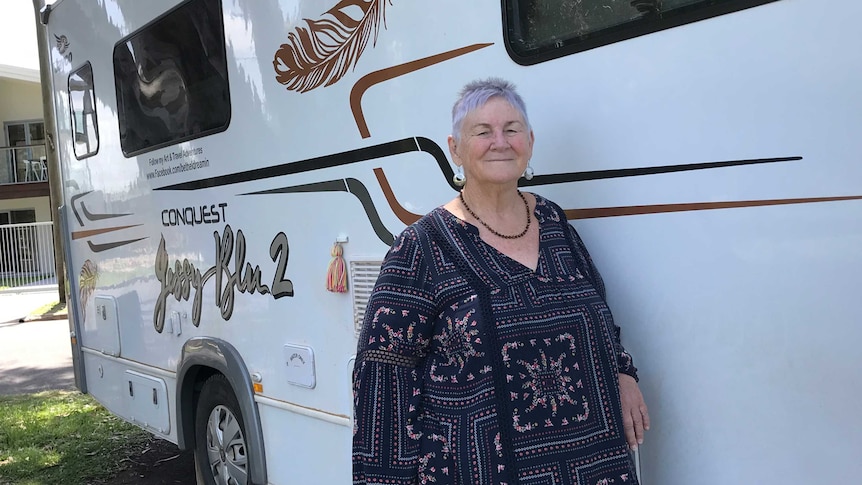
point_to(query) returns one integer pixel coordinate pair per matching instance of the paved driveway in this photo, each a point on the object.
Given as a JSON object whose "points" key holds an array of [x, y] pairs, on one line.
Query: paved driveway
{"points": [[34, 356], [18, 304]]}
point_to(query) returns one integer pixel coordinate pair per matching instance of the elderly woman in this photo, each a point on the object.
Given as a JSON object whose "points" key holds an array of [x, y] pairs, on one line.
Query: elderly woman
{"points": [[488, 353]]}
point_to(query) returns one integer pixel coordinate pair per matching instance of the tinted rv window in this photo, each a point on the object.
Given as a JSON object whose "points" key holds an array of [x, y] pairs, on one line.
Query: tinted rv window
{"points": [[83, 104], [171, 78], [539, 30]]}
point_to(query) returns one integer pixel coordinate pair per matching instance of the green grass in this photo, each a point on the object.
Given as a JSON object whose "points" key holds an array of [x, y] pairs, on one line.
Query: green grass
{"points": [[49, 309], [58, 437]]}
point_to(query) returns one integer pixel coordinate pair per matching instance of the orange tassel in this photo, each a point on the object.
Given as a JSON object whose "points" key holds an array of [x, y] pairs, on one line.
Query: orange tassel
{"points": [[336, 275]]}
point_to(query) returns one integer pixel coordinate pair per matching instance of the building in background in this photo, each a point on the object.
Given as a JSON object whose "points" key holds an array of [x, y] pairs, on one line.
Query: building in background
{"points": [[24, 191], [23, 171]]}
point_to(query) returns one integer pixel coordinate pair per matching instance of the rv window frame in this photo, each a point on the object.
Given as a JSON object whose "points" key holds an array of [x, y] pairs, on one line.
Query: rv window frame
{"points": [[72, 111], [630, 30], [188, 138]]}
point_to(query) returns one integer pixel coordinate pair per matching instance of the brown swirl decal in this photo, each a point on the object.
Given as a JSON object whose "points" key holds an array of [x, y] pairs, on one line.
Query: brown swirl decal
{"points": [[408, 217], [635, 210], [382, 75], [322, 53], [400, 212], [96, 232]]}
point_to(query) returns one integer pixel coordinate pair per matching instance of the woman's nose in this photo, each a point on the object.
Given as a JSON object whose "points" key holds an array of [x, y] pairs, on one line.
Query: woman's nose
{"points": [[499, 139]]}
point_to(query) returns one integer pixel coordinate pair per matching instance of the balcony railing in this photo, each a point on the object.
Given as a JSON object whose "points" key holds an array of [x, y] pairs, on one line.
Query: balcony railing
{"points": [[23, 164]]}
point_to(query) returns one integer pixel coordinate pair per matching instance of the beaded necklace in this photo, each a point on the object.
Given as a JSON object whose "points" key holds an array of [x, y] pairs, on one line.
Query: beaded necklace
{"points": [[504, 236]]}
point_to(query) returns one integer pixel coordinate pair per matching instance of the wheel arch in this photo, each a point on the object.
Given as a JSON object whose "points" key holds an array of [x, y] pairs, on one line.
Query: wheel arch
{"points": [[201, 358]]}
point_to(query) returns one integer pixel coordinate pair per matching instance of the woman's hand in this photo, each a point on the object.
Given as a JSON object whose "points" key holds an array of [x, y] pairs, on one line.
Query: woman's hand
{"points": [[635, 414]]}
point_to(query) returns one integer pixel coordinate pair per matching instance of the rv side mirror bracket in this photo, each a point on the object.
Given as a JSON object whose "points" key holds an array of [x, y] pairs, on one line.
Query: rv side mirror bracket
{"points": [[45, 14]]}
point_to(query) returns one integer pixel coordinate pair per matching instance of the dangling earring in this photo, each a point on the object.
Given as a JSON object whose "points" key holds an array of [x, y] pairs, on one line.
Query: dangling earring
{"points": [[528, 173], [459, 179]]}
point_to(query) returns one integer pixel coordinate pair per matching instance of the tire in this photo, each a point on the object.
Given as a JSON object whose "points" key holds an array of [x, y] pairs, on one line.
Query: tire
{"points": [[221, 452]]}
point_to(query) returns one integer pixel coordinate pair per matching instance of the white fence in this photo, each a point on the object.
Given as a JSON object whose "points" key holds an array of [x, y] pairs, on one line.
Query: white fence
{"points": [[27, 255]]}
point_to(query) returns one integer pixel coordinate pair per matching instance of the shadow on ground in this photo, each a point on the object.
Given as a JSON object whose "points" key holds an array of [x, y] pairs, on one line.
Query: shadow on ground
{"points": [[27, 380], [160, 462], [57, 311]]}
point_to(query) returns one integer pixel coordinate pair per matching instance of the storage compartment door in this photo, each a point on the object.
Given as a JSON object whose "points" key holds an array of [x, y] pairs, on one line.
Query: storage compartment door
{"points": [[148, 402]]}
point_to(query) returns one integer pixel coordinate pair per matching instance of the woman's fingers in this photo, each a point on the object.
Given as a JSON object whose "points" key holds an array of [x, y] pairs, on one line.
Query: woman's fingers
{"points": [[635, 413], [645, 413]]}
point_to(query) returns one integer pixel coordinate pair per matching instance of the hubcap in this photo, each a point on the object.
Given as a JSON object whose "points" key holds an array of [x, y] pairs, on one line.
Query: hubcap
{"points": [[226, 448]]}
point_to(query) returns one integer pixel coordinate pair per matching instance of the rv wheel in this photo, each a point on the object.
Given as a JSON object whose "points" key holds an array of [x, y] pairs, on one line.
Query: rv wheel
{"points": [[221, 455]]}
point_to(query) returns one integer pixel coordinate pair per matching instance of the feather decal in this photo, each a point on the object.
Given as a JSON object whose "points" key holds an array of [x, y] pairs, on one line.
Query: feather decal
{"points": [[62, 43], [322, 53], [87, 284]]}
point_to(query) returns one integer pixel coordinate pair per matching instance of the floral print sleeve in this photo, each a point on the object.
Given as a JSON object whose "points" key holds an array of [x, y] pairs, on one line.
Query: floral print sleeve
{"points": [[624, 359], [387, 380]]}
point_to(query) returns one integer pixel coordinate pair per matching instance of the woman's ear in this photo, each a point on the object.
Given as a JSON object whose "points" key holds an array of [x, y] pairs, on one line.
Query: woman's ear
{"points": [[453, 150]]}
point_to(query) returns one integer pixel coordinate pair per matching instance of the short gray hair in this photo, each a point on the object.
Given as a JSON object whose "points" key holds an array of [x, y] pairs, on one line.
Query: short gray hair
{"points": [[476, 93]]}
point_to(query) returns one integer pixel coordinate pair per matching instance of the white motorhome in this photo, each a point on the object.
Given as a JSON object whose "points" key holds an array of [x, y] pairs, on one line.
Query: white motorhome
{"points": [[708, 151]]}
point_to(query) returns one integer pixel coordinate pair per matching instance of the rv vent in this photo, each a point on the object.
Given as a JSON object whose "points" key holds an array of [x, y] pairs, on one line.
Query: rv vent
{"points": [[363, 275]]}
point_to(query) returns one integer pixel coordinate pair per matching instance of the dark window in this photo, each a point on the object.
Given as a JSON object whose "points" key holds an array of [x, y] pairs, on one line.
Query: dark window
{"points": [[171, 79], [539, 30], [22, 216], [82, 102]]}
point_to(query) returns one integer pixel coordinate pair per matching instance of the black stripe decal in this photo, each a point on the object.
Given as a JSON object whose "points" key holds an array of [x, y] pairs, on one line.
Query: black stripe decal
{"points": [[562, 178], [427, 145], [98, 248], [98, 217], [326, 161], [350, 185], [328, 186], [361, 193], [75, 211]]}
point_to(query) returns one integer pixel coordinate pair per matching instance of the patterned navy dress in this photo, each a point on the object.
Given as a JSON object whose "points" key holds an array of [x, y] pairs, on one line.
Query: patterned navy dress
{"points": [[474, 369]]}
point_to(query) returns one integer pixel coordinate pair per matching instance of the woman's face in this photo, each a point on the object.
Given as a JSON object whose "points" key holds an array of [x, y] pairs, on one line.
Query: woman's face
{"points": [[495, 145]]}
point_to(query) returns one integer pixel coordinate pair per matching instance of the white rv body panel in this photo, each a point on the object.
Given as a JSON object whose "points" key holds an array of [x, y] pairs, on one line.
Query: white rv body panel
{"points": [[737, 287]]}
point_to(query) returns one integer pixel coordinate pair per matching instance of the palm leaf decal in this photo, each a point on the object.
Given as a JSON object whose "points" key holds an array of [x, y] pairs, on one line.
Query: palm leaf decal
{"points": [[87, 284], [323, 52]]}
